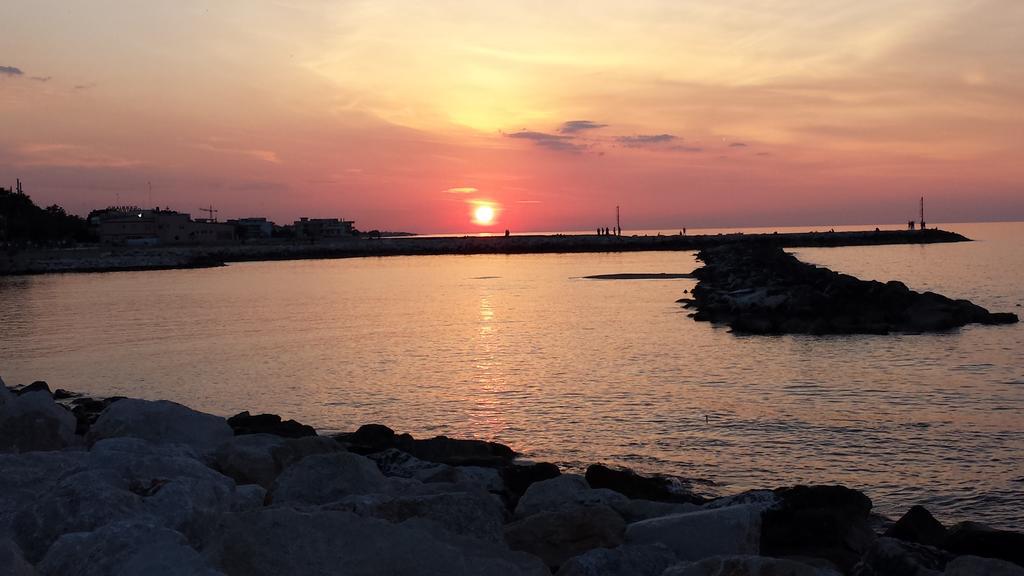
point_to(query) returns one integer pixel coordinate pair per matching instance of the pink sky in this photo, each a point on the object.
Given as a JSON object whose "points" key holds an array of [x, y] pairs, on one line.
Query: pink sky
{"points": [[406, 115]]}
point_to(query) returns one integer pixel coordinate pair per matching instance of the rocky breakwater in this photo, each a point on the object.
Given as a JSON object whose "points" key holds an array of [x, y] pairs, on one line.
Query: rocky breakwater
{"points": [[758, 288], [126, 486]]}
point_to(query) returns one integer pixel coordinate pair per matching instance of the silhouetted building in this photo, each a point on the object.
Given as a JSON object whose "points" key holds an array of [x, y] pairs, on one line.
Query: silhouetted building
{"points": [[133, 226], [253, 227], [316, 228]]}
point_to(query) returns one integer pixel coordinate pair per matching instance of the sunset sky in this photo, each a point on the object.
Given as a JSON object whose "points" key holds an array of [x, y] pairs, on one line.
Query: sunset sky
{"points": [[409, 115]]}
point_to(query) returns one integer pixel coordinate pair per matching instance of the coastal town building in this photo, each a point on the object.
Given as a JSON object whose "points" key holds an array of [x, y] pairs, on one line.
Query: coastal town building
{"points": [[249, 228], [134, 226], [317, 228]]}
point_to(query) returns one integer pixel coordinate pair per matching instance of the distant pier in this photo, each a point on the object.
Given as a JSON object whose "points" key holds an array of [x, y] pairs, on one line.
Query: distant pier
{"points": [[104, 259]]}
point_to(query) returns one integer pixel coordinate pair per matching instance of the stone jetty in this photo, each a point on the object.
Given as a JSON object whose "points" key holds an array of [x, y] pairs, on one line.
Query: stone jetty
{"points": [[123, 486], [758, 288], [109, 258]]}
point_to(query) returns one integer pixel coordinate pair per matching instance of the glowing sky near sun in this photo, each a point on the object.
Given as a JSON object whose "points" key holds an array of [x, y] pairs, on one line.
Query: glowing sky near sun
{"points": [[410, 115]]}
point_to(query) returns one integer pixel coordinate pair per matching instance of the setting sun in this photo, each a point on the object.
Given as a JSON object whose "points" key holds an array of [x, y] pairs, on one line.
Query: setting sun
{"points": [[483, 215]]}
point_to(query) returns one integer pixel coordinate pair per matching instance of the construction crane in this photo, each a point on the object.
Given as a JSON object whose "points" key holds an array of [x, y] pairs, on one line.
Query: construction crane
{"points": [[211, 213]]}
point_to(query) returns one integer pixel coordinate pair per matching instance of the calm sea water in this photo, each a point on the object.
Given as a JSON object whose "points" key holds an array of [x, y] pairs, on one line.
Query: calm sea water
{"points": [[522, 350]]}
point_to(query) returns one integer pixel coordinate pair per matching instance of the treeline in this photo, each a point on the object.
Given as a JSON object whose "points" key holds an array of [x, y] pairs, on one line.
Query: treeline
{"points": [[22, 222]]}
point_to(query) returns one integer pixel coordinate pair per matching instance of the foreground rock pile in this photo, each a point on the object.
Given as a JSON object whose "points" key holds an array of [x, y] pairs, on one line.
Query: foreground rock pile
{"points": [[156, 488], [758, 288]]}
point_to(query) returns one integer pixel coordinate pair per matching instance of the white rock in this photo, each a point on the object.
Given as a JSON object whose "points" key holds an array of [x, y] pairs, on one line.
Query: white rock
{"points": [[124, 548], [564, 491], [251, 458], [276, 541], [34, 421], [248, 497], [697, 535], [80, 502], [558, 535], [763, 498], [11, 561], [127, 479], [25, 477], [746, 566], [637, 510], [324, 478], [260, 458], [470, 514], [977, 566], [626, 560], [160, 422]]}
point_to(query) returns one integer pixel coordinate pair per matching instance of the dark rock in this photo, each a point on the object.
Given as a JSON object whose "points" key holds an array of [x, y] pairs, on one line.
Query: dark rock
{"points": [[36, 386], [830, 522], [758, 288], [980, 540], [245, 423], [633, 485], [892, 557], [87, 410], [519, 477], [918, 526], [62, 394], [457, 452], [369, 438], [557, 536]]}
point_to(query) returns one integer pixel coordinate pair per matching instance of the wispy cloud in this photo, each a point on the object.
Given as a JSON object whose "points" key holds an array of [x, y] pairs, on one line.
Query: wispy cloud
{"points": [[462, 190], [41, 78], [685, 148], [574, 126], [642, 140], [71, 155], [549, 141], [738, 145], [216, 145], [10, 71]]}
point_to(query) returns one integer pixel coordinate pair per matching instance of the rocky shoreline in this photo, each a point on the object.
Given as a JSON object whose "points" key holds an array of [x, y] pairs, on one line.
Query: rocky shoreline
{"points": [[125, 486], [758, 288], [113, 259]]}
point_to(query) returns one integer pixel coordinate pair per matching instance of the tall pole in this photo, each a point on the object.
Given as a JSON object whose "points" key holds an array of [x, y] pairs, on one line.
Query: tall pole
{"points": [[618, 223], [922, 212]]}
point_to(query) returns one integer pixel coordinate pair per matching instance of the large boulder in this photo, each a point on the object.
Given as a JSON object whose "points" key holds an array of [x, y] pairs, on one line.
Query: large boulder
{"points": [[696, 535], [275, 541], [746, 566], [977, 566], [24, 478], [831, 522], [563, 491], [160, 421], [260, 458], [33, 421], [324, 478], [633, 485], [458, 452], [12, 563], [470, 514], [625, 560], [127, 479], [124, 548], [558, 535], [918, 526], [892, 557], [980, 540], [637, 510]]}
